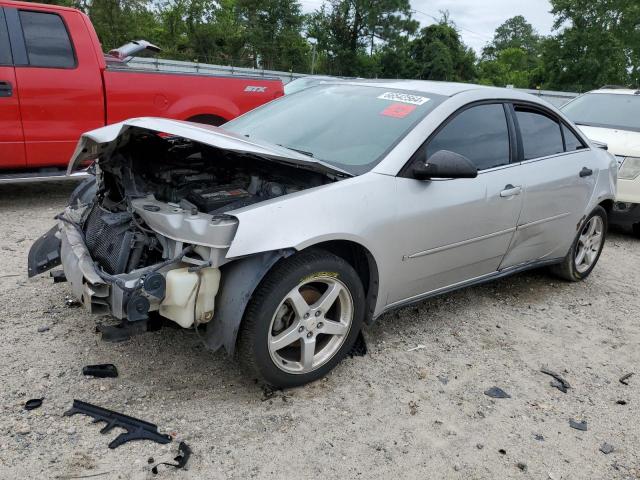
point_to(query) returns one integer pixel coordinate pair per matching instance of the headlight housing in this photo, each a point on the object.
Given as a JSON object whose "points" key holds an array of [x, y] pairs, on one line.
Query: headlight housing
{"points": [[630, 168]]}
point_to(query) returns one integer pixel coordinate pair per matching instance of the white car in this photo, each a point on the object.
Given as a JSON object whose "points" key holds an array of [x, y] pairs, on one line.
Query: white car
{"points": [[612, 116]]}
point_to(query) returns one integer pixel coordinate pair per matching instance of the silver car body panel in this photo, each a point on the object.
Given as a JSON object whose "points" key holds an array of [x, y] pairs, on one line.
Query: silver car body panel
{"points": [[426, 237]]}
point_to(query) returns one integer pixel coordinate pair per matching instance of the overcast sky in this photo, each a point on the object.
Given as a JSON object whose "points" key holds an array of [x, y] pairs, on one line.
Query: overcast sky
{"points": [[476, 19]]}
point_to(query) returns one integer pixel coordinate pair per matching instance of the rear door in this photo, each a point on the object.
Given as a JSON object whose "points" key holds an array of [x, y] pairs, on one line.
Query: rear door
{"points": [[559, 174], [60, 82], [11, 138]]}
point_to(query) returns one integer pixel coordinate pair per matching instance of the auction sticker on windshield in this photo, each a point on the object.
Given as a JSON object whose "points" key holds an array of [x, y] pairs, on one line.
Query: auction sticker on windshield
{"points": [[398, 110], [404, 98]]}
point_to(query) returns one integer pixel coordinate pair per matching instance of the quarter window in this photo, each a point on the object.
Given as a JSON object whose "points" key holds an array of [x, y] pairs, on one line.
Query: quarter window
{"points": [[47, 40], [571, 141], [479, 133], [541, 134]]}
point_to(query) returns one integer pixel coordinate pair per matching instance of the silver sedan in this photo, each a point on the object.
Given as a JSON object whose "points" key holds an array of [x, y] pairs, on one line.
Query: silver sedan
{"points": [[279, 235]]}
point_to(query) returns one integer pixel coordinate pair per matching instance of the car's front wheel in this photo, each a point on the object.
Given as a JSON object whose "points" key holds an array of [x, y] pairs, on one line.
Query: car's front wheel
{"points": [[586, 248], [302, 319]]}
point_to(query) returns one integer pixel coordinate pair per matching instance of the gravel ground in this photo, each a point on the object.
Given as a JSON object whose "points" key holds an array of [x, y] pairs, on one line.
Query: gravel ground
{"points": [[398, 411]]}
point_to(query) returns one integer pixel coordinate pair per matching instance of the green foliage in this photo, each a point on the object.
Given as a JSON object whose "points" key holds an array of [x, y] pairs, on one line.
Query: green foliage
{"points": [[596, 42], [513, 56], [439, 54]]}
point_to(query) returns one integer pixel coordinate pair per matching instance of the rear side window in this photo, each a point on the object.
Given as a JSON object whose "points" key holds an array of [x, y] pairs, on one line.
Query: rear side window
{"points": [[479, 133], [5, 47], [571, 141], [541, 134], [47, 40]]}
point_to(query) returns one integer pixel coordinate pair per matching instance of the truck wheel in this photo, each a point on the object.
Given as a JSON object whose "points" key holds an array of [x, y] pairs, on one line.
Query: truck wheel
{"points": [[585, 251], [302, 319]]}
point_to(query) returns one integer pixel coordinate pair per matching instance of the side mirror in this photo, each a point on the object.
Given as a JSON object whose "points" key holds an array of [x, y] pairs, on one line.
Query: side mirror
{"points": [[444, 164]]}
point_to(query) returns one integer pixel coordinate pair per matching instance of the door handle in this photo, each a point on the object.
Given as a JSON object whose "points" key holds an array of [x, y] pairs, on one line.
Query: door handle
{"points": [[585, 172], [510, 191], [6, 89]]}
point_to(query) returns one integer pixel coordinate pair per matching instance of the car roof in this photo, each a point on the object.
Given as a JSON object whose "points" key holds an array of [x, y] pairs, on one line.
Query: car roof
{"points": [[447, 89], [618, 91]]}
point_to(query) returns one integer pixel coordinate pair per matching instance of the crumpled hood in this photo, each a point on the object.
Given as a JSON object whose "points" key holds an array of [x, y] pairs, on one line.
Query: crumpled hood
{"points": [[94, 143]]}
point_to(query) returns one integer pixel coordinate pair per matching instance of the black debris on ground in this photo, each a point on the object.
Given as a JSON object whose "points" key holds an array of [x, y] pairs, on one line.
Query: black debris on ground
{"points": [[184, 452], [606, 448], [557, 382], [624, 379], [103, 370], [496, 392], [578, 425], [359, 348], [33, 403], [71, 302]]}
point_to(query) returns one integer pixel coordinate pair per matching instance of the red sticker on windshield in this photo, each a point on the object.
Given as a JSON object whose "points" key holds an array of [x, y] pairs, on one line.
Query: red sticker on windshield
{"points": [[398, 110]]}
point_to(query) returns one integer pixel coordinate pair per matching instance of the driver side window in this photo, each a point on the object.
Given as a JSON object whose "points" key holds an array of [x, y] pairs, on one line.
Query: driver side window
{"points": [[479, 133]]}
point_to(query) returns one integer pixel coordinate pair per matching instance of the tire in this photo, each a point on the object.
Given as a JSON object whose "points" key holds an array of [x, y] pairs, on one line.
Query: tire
{"points": [[571, 269], [283, 309], [636, 230]]}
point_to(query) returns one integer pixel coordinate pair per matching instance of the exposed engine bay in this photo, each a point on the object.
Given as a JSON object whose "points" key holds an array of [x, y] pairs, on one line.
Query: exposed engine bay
{"points": [[186, 175]]}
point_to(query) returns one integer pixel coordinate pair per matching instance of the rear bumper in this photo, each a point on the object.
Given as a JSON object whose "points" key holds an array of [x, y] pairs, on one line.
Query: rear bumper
{"points": [[624, 213]]}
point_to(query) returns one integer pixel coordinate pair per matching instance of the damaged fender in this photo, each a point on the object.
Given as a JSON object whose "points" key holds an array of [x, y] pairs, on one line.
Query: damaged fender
{"points": [[239, 280]]}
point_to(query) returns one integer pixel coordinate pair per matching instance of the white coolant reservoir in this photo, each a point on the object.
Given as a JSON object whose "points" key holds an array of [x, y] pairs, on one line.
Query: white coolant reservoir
{"points": [[180, 302]]}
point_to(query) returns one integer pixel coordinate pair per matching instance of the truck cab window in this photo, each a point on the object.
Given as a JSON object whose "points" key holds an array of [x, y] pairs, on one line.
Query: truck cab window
{"points": [[47, 40], [5, 48]]}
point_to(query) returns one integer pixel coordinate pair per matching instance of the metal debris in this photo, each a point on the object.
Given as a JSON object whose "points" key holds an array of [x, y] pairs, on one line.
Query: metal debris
{"points": [[417, 347]]}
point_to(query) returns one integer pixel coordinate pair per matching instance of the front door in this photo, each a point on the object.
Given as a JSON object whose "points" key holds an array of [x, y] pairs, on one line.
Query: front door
{"points": [[459, 229], [11, 138], [60, 82], [559, 178]]}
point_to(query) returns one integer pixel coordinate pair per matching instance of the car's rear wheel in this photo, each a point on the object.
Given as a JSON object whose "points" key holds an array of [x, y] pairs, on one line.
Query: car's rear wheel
{"points": [[586, 248], [302, 319]]}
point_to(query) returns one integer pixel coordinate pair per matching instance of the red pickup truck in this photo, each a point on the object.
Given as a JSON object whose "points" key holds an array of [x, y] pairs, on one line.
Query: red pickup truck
{"points": [[56, 83]]}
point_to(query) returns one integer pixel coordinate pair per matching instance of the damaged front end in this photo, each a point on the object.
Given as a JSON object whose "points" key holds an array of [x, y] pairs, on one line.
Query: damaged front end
{"points": [[153, 231]]}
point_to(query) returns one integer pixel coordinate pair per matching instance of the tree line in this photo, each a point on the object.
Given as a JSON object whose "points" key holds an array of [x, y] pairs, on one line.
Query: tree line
{"points": [[595, 42]]}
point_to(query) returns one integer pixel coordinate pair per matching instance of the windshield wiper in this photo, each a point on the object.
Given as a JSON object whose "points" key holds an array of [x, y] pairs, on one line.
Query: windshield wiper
{"points": [[308, 154]]}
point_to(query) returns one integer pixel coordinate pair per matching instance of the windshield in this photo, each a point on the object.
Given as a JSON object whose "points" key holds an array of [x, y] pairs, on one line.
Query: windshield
{"points": [[349, 126], [609, 110]]}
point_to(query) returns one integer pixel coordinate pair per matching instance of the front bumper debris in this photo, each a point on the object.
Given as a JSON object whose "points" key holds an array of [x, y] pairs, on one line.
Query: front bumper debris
{"points": [[44, 253]]}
